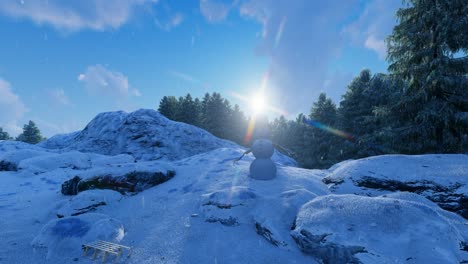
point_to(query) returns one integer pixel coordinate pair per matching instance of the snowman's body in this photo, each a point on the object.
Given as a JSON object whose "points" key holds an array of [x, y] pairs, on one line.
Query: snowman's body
{"points": [[263, 168]]}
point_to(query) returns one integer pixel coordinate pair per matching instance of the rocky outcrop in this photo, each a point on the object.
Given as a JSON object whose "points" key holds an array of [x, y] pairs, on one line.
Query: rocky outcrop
{"points": [[70, 187], [445, 196], [8, 166], [442, 179], [328, 253], [342, 229], [132, 182]]}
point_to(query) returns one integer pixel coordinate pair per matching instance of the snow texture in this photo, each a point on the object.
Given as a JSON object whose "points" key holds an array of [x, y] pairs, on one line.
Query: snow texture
{"points": [[211, 211]]}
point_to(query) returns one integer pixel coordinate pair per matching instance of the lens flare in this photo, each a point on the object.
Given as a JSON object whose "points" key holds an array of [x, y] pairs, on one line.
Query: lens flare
{"points": [[329, 129], [279, 33], [250, 130]]}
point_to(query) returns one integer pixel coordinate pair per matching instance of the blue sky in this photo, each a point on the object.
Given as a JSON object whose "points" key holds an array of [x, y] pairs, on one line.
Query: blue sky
{"points": [[63, 62]]}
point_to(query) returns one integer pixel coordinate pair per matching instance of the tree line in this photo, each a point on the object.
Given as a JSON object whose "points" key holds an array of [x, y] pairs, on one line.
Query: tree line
{"points": [[31, 134], [420, 107]]}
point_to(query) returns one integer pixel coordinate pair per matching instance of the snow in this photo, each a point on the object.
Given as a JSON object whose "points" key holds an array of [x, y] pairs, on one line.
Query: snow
{"points": [[440, 178], [211, 211], [144, 134], [445, 170], [389, 229]]}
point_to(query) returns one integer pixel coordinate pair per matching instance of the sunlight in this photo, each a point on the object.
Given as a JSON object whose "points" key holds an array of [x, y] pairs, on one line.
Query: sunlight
{"points": [[257, 103]]}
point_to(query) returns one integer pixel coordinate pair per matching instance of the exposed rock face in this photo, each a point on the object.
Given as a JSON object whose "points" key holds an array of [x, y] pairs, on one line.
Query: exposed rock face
{"points": [[145, 134], [136, 181], [328, 253], [441, 179], [267, 234], [70, 187], [445, 196]]}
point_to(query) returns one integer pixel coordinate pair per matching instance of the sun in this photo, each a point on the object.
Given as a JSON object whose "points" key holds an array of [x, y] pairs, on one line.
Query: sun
{"points": [[258, 103]]}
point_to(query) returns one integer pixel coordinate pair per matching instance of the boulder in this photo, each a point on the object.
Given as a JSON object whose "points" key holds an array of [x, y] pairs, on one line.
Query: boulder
{"points": [[442, 179], [396, 228]]}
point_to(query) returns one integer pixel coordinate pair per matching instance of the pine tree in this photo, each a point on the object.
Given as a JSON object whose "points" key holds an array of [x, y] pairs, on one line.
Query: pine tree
{"points": [[168, 106], [216, 114], [4, 135], [237, 125], [188, 110], [324, 110], [422, 51], [31, 134]]}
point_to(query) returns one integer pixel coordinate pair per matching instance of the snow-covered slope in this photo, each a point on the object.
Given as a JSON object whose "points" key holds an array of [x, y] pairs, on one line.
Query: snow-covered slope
{"points": [[211, 211], [144, 134]]}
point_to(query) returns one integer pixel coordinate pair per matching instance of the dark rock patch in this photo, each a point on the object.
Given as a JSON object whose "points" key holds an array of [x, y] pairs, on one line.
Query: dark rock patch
{"points": [[87, 209], [8, 166], [445, 196], [268, 235], [70, 187], [231, 221], [132, 182], [326, 252]]}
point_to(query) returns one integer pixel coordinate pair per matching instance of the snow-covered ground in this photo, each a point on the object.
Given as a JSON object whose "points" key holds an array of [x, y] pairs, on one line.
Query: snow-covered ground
{"points": [[211, 211]]}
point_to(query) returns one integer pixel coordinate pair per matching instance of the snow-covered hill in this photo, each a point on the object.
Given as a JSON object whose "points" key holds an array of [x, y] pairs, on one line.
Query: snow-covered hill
{"points": [[144, 134], [208, 210]]}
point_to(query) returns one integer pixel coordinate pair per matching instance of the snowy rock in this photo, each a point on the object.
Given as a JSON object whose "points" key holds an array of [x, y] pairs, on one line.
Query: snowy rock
{"points": [[145, 134], [385, 229], [68, 234], [135, 181], [230, 207], [442, 179], [87, 201], [10, 159]]}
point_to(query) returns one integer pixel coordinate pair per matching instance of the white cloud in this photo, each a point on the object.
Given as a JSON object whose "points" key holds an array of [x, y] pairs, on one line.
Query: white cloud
{"points": [[377, 45], [99, 80], [59, 96], [11, 108], [74, 15], [172, 22], [373, 25], [301, 38], [215, 10], [190, 79]]}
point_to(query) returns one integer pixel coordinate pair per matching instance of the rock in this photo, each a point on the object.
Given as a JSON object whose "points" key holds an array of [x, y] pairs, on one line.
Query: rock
{"points": [[441, 179], [384, 229], [70, 187], [135, 181], [8, 166], [328, 253], [267, 234]]}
